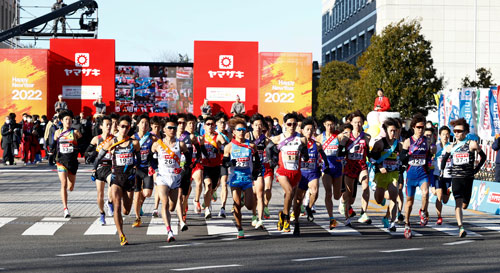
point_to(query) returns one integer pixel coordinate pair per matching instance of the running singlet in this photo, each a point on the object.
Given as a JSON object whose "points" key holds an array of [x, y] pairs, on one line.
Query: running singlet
{"points": [[462, 162], [213, 160], [358, 151], [289, 158], [106, 160], [145, 150], [242, 172], [391, 163], [260, 144], [311, 166], [419, 151], [124, 156], [437, 162], [168, 166], [331, 148], [67, 145]]}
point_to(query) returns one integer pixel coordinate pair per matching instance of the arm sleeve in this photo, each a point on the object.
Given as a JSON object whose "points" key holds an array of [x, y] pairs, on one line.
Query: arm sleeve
{"points": [[481, 161], [98, 158], [325, 160], [444, 160], [404, 156], [188, 155], [273, 153], [304, 152], [90, 154]]}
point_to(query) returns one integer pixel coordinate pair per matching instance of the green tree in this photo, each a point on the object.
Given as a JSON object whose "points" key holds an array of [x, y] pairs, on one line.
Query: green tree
{"points": [[399, 61], [334, 94], [485, 79]]}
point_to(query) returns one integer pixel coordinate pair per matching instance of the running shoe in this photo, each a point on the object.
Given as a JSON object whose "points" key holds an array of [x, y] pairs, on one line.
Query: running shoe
{"points": [[254, 220], [102, 220], [365, 219], [462, 233], [302, 210], [214, 196], [155, 213], [141, 213], [66, 213], [352, 213], [266, 213], [347, 223], [170, 236], [208, 214], [222, 213], [385, 222], [123, 240], [183, 225], [313, 208], [280, 221], [408, 234], [439, 221], [423, 218], [196, 207], [286, 224], [392, 228], [111, 208], [292, 216], [333, 223], [342, 208], [241, 234], [310, 216], [401, 218], [296, 230], [137, 222], [259, 225]]}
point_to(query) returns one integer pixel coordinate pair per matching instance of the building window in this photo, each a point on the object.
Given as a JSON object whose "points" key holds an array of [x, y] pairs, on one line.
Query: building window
{"points": [[361, 42], [334, 55], [337, 13], [353, 46], [339, 54]]}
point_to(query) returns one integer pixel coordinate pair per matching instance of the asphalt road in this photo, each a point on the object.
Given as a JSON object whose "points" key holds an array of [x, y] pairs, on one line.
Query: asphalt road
{"points": [[29, 198]]}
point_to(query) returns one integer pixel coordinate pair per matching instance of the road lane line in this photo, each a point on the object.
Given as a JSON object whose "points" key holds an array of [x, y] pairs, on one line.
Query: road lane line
{"points": [[46, 227], [317, 258], [87, 253], [157, 227], [97, 229], [483, 223], [6, 220], [452, 230], [221, 227], [206, 267], [458, 243], [400, 231], [172, 246], [400, 250]]}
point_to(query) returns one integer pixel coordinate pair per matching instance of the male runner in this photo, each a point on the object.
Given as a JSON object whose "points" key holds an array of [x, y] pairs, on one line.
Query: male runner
{"points": [[221, 120], [443, 178]]}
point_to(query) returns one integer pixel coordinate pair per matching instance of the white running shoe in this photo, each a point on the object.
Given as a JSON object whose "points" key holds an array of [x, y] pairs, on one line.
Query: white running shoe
{"points": [[259, 225], [222, 213], [341, 208], [66, 213], [208, 214], [183, 225], [170, 236]]}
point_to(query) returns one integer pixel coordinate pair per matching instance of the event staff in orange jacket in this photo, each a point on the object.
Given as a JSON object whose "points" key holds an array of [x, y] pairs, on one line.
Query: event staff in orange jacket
{"points": [[382, 103]]}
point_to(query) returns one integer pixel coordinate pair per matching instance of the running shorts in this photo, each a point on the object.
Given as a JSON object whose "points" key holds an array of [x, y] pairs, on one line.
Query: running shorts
{"points": [[212, 173], [411, 186], [143, 180], [462, 188], [383, 180], [354, 167], [306, 178], [293, 176], [103, 172], [335, 169]]}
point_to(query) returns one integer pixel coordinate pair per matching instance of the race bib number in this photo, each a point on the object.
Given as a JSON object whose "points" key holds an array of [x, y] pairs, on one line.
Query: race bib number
{"points": [[211, 152], [460, 159], [355, 156], [417, 160], [144, 155], [391, 165], [242, 163], [308, 165], [65, 148], [331, 151], [124, 159]]}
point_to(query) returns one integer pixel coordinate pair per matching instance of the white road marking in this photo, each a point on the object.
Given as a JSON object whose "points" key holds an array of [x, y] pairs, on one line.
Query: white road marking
{"points": [[87, 253], [206, 267], [157, 227], [400, 250], [221, 227], [318, 258], [173, 246], [400, 231], [6, 220], [47, 226], [452, 230], [458, 243], [483, 223], [322, 219], [97, 229]]}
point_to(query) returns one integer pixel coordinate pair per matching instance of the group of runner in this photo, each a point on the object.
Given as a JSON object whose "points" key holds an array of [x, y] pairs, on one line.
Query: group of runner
{"points": [[167, 154]]}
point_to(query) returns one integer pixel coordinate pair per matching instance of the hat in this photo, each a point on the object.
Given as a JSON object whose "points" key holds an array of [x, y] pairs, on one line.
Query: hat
{"points": [[60, 96]]}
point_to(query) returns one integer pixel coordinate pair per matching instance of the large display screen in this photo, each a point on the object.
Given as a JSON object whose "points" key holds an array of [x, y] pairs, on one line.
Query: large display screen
{"points": [[154, 88]]}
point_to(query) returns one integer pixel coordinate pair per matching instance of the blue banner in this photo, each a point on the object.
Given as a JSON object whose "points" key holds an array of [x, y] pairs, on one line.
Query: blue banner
{"points": [[467, 106], [495, 120]]}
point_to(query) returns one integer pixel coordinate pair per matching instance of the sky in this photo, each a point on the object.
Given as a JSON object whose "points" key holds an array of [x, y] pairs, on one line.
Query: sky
{"points": [[147, 29]]}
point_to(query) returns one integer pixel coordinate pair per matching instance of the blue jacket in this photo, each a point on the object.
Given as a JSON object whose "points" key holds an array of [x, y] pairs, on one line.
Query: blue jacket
{"points": [[496, 147]]}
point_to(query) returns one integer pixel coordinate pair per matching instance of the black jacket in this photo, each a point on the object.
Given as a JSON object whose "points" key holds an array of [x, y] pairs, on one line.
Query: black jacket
{"points": [[7, 137]]}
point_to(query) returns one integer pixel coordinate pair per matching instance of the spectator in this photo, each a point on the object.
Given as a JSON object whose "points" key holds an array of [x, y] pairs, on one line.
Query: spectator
{"points": [[28, 144], [60, 104], [382, 103], [237, 107], [206, 109], [8, 141], [496, 147], [276, 130], [100, 107]]}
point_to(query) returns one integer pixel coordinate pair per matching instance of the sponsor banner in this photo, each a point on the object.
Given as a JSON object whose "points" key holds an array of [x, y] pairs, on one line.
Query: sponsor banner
{"points": [[87, 63], [493, 103], [223, 71], [23, 82], [285, 83], [484, 123], [485, 197]]}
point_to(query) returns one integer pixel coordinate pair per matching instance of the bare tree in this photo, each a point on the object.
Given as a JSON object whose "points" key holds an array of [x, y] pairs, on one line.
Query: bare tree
{"points": [[168, 56]]}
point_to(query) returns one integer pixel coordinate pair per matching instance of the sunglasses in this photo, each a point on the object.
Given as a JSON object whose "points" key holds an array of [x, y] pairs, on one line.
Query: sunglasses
{"points": [[419, 127], [458, 131], [123, 126], [210, 124], [181, 122], [241, 129], [291, 124], [172, 127]]}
